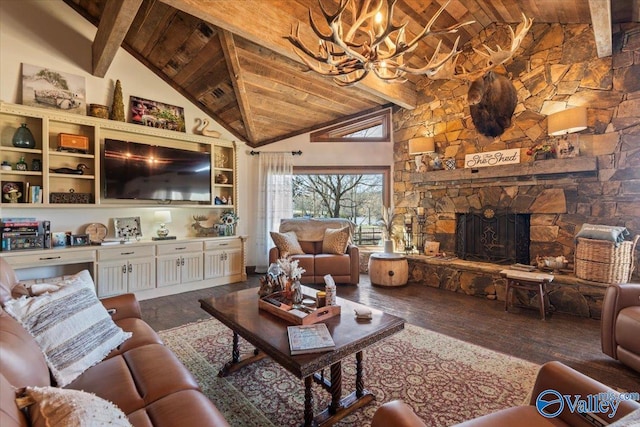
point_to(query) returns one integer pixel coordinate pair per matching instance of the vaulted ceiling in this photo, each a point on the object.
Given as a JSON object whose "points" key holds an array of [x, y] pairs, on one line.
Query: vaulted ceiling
{"points": [[230, 57]]}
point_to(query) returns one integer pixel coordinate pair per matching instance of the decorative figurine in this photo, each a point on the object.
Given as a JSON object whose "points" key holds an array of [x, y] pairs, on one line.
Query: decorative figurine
{"points": [[21, 165], [79, 170], [117, 107]]}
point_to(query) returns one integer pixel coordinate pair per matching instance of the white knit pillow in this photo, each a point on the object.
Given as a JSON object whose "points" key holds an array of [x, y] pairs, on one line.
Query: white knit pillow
{"points": [[73, 408], [71, 327]]}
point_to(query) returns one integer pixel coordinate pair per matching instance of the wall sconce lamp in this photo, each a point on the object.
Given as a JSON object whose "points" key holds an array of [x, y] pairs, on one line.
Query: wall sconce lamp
{"points": [[567, 121], [162, 218], [420, 146]]}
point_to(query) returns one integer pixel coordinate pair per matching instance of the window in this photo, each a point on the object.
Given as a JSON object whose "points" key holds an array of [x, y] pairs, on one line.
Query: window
{"points": [[374, 127], [357, 194]]}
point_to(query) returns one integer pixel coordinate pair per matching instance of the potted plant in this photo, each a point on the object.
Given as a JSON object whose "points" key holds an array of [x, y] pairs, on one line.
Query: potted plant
{"points": [[542, 151], [388, 225]]}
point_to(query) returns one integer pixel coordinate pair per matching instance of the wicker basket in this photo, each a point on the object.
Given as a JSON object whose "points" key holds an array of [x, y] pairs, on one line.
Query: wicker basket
{"points": [[602, 261]]}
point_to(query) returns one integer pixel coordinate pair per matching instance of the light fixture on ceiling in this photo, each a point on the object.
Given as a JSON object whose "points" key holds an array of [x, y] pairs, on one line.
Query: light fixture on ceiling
{"points": [[162, 218], [420, 146], [564, 122], [369, 42]]}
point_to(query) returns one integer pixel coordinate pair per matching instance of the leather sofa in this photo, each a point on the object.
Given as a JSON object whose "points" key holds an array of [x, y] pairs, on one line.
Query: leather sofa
{"points": [[620, 323], [344, 268], [552, 375], [142, 377]]}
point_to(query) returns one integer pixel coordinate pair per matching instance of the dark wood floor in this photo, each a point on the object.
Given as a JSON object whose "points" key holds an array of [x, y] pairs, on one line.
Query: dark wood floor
{"points": [[572, 340]]}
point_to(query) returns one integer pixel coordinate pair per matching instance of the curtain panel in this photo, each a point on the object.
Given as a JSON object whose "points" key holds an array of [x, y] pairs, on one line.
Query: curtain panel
{"points": [[275, 200]]}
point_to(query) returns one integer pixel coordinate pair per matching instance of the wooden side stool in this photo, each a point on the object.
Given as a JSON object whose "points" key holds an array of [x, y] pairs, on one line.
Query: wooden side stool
{"points": [[527, 281]]}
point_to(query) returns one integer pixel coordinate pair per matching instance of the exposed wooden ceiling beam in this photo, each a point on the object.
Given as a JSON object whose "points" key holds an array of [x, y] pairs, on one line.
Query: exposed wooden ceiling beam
{"points": [[266, 24], [114, 24], [601, 23], [235, 72]]}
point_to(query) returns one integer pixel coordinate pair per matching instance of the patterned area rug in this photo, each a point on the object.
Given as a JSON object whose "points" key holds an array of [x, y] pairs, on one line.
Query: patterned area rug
{"points": [[444, 380]]}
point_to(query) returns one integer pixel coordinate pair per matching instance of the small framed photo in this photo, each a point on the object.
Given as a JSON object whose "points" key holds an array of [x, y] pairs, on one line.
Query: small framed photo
{"points": [[80, 240], [127, 228]]}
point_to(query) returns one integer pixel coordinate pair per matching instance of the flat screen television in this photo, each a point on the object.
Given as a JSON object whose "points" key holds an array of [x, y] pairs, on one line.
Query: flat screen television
{"points": [[149, 172]]}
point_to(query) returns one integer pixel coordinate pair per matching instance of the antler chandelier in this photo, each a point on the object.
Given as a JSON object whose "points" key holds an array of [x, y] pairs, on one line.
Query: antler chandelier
{"points": [[366, 40]]}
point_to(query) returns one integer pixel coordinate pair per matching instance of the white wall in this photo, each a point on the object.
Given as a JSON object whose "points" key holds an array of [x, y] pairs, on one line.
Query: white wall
{"points": [[49, 33]]}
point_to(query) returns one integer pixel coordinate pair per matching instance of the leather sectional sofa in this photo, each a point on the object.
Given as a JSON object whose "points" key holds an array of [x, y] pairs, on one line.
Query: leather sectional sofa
{"points": [[141, 377], [344, 268], [620, 324], [552, 375]]}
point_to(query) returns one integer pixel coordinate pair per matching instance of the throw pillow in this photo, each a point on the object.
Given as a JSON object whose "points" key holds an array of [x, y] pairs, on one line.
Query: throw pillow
{"points": [[335, 240], [71, 327], [72, 408], [287, 243]]}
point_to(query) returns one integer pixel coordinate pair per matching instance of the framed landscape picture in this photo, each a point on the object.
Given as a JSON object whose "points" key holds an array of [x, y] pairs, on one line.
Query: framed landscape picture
{"points": [[57, 90], [156, 114]]}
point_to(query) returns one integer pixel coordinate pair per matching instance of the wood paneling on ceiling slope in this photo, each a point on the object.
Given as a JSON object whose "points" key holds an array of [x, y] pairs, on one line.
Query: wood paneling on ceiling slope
{"points": [[231, 60]]}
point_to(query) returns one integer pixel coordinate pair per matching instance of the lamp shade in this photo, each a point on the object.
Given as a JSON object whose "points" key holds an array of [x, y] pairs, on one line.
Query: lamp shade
{"points": [[567, 121], [425, 144], [162, 217]]}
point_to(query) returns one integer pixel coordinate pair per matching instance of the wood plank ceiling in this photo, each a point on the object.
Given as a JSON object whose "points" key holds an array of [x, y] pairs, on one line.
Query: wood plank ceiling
{"points": [[231, 60]]}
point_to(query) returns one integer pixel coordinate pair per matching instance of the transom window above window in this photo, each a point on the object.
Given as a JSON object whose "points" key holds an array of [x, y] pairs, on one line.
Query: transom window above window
{"points": [[373, 127]]}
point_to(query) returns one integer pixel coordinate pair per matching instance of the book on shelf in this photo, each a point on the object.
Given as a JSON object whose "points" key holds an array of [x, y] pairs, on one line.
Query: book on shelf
{"points": [[314, 338]]}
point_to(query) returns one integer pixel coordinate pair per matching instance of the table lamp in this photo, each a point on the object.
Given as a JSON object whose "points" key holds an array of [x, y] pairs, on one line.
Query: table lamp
{"points": [[162, 218], [565, 122], [420, 146]]}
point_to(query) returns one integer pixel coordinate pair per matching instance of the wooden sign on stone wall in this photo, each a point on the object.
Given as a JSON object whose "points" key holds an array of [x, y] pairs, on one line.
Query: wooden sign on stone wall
{"points": [[492, 158]]}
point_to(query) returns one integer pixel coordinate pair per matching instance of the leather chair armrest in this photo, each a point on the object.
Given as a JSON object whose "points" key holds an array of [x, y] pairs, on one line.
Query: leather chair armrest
{"points": [[567, 381], [274, 255], [354, 267], [122, 306], [616, 297], [396, 413]]}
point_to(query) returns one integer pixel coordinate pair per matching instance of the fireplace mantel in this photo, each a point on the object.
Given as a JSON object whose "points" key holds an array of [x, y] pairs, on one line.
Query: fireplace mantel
{"points": [[540, 169]]}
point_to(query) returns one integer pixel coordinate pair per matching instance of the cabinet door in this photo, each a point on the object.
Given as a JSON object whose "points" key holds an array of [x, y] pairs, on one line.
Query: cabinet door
{"points": [[142, 275], [112, 278], [168, 270], [214, 264], [234, 262], [191, 268]]}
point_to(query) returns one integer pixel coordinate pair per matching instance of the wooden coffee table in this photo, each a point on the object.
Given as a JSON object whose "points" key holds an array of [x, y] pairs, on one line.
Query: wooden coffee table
{"points": [[268, 333]]}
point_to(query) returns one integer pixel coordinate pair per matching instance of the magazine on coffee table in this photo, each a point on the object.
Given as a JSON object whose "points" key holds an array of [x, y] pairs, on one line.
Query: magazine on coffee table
{"points": [[314, 338]]}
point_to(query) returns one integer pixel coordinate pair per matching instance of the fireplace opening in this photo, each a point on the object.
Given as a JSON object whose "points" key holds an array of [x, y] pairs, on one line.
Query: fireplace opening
{"points": [[493, 235]]}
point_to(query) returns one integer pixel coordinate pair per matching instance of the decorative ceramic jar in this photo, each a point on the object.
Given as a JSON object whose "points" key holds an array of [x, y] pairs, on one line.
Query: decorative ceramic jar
{"points": [[23, 138]]}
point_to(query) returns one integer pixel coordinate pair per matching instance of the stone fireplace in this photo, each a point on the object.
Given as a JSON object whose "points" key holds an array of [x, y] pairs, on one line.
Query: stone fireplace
{"points": [[493, 235]]}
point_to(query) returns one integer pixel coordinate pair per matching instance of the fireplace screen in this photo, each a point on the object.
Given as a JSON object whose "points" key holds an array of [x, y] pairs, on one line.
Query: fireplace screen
{"points": [[493, 236]]}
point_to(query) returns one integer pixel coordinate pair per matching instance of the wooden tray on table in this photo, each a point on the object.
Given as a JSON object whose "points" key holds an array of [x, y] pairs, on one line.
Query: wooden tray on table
{"points": [[304, 316]]}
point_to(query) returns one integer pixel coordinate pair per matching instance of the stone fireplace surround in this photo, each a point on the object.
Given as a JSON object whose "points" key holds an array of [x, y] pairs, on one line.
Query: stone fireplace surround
{"points": [[556, 68]]}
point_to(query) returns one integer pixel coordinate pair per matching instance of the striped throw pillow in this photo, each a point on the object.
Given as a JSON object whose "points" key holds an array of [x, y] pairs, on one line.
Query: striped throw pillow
{"points": [[71, 326]]}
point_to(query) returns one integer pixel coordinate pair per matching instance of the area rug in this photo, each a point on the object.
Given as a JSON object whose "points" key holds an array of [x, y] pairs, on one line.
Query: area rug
{"points": [[444, 380]]}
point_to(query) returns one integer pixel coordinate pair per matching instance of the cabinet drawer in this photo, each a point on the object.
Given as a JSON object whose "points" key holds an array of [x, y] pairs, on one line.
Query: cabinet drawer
{"points": [[125, 252], [222, 244], [177, 248], [52, 257]]}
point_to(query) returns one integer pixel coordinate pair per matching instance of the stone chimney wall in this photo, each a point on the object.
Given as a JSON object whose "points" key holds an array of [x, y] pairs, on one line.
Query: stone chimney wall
{"points": [[555, 68]]}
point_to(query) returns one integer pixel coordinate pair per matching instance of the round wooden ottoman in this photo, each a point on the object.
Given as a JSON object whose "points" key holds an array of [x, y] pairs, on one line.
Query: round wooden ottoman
{"points": [[388, 269]]}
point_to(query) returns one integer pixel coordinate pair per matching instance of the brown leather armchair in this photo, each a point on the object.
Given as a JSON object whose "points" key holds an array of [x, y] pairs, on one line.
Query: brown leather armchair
{"points": [[620, 324], [552, 375]]}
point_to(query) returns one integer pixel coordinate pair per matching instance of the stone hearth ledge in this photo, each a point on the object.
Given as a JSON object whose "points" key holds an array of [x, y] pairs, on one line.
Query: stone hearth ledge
{"points": [[567, 293]]}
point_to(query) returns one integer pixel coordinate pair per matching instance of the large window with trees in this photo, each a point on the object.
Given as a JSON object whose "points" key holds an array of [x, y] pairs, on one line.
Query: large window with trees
{"points": [[357, 194]]}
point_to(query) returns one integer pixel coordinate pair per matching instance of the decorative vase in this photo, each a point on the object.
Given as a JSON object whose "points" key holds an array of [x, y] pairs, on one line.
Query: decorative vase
{"points": [[388, 246], [23, 138], [296, 294]]}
